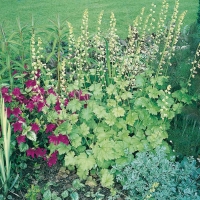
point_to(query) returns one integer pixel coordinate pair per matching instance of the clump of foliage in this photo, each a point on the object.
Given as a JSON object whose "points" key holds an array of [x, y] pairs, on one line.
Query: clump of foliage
{"points": [[184, 133], [153, 175]]}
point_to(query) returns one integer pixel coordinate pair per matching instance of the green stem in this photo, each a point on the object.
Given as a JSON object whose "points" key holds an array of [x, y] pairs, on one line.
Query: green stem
{"points": [[108, 62], [10, 70]]}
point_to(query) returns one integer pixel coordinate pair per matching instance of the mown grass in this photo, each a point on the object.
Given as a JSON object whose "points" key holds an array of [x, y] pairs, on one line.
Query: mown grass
{"points": [[72, 10]]}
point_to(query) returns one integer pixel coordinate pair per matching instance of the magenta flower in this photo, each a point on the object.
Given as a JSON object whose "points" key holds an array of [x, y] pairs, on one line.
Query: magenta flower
{"points": [[50, 128], [17, 126], [21, 139], [30, 83], [4, 90], [57, 139], [7, 98], [14, 72], [30, 106], [52, 159], [63, 138], [38, 73], [16, 92], [25, 74], [40, 106], [42, 91], [36, 98], [36, 89], [21, 98], [9, 112], [51, 91], [21, 119], [78, 94], [30, 152], [84, 97], [66, 102], [35, 127], [16, 112], [57, 106], [72, 94], [40, 152], [53, 139]]}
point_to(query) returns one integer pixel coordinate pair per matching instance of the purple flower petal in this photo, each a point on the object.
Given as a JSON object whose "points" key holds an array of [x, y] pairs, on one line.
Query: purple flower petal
{"points": [[21, 139], [30, 152]]}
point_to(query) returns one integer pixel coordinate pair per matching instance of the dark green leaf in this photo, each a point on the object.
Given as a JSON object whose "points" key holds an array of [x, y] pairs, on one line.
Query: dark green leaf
{"points": [[74, 196], [23, 147], [47, 195]]}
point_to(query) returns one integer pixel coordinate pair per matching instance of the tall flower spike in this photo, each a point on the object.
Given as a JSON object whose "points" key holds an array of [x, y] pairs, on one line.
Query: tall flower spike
{"points": [[71, 52], [100, 53], [195, 65], [37, 64]]}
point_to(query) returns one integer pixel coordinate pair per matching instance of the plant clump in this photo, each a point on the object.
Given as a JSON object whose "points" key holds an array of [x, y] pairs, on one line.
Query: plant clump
{"points": [[153, 175]]}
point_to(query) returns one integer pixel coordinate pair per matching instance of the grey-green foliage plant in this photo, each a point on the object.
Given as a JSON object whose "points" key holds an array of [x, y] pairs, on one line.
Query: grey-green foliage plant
{"points": [[154, 176], [71, 192], [5, 163]]}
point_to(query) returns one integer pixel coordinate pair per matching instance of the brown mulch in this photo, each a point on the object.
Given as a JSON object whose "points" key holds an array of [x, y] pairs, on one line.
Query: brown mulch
{"points": [[58, 179]]}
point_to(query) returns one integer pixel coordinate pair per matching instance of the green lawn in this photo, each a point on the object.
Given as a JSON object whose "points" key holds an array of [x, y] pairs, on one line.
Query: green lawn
{"points": [[72, 10]]}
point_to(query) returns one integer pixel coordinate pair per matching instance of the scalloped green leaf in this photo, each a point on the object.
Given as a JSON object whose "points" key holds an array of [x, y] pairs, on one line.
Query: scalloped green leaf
{"points": [[110, 119], [142, 101], [107, 179], [101, 134], [70, 159], [139, 81], [73, 118], [118, 111], [99, 111], [74, 105], [96, 88], [87, 114], [126, 95], [51, 99], [84, 129], [63, 148], [64, 128], [111, 89], [153, 92], [104, 150], [85, 162], [131, 117], [111, 103]]}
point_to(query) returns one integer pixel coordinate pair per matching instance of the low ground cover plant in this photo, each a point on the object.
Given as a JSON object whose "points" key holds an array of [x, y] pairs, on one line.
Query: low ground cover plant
{"points": [[153, 175], [89, 100]]}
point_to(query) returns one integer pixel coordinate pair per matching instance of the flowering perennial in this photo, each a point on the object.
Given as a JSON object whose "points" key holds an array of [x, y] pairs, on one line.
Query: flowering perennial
{"points": [[28, 122]]}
